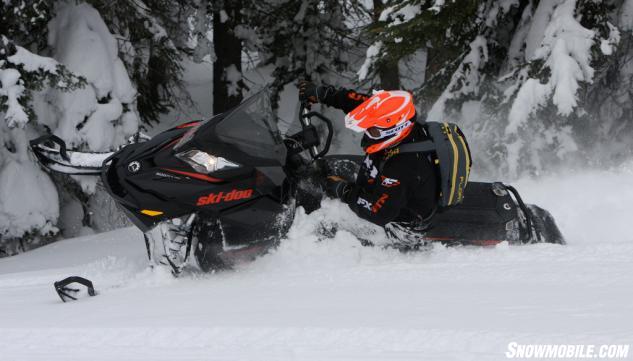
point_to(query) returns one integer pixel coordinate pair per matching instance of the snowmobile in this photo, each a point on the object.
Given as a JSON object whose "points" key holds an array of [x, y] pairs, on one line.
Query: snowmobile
{"points": [[225, 189]]}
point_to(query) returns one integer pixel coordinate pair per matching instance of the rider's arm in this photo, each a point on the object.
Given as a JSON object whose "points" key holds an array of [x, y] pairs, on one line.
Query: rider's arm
{"points": [[381, 203], [344, 99]]}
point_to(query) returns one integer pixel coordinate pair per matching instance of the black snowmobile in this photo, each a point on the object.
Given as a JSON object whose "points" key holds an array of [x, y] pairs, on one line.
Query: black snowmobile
{"points": [[225, 189]]}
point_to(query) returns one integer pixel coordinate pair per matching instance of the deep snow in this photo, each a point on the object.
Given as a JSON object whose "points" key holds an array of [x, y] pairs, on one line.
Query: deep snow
{"points": [[335, 300]]}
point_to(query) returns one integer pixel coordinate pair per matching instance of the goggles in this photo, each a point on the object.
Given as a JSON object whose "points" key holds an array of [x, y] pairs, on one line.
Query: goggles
{"points": [[379, 133]]}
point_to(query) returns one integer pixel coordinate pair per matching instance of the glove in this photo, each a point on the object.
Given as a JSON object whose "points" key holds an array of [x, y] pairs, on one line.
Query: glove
{"points": [[336, 187], [312, 93]]}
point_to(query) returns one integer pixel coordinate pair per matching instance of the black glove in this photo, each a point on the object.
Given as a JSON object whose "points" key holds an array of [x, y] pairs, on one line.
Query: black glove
{"points": [[336, 187], [312, 93]]}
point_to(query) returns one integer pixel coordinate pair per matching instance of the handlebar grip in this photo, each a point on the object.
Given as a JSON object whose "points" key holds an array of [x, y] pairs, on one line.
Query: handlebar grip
{"points": [[305, 122], [330, 134]]}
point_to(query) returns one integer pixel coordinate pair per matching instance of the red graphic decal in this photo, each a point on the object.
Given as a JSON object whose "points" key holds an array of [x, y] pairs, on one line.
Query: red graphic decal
{"points": [[195, 175], [188, 124], [355, 96], [486, 242], [378, 204], [173, 142], [233, 195]]}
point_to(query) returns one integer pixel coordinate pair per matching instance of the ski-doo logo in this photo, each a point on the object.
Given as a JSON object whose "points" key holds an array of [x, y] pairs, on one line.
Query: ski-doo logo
{"points": [[233, 195], [134, 166]]}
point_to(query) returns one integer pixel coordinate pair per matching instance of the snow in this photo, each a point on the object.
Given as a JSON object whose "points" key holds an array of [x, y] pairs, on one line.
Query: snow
{"points": [[198, 78], [531, 94], [224, 17], [566, 73], [517, 47], [32, 62], [626, 16], [398, 14], [335, 300], [609, 45], [28, 198], [232, 76], [541, 18], [437, 6], [373, 52], [89, 118], [412, 69], [557, 38], [465, 80], [151, 23], [12, 89], [301, 14], [82, 42], [564, 44]]}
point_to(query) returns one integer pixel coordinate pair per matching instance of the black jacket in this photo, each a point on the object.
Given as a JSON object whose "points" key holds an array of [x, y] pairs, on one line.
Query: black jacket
{"points": [[389, 187]]}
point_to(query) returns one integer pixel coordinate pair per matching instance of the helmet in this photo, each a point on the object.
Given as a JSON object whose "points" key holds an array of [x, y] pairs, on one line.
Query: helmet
{"points": [[386, 118]]}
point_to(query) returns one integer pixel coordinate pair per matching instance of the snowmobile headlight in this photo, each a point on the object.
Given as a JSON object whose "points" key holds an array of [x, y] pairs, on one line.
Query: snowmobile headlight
{"points": [[204, 162]]}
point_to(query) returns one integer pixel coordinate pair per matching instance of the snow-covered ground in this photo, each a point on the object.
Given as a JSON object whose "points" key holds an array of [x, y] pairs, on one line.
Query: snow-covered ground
{"points": [[335, 300]]}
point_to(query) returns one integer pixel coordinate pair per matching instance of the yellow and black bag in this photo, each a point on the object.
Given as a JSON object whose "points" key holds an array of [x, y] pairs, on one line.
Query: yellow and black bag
{"points": [[451, 154]]}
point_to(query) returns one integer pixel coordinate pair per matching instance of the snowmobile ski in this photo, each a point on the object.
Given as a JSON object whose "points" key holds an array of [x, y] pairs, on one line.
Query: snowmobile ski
{"points": [[67, 293], [51, 152]]}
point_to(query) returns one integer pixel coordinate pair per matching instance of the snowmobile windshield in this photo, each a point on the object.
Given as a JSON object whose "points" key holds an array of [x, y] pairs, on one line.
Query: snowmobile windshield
{"points": [[250, 127]]}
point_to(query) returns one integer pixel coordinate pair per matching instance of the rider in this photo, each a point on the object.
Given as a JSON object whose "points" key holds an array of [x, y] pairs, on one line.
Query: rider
{"points": [[391, 189]]}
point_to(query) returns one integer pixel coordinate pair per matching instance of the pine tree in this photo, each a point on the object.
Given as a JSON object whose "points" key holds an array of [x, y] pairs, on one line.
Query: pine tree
{"points": [[20, 19], [227, 67], [302, 39], [152, 37], [526, 78], [21, 74], [401, 28]]}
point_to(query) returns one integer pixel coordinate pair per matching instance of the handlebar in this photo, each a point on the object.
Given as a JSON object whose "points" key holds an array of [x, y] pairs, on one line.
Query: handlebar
{"points": [[330, 133], [305, 120]]}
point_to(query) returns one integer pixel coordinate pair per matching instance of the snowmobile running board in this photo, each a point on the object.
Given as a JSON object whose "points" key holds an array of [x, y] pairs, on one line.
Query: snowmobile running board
{"points": [[51, 152]]}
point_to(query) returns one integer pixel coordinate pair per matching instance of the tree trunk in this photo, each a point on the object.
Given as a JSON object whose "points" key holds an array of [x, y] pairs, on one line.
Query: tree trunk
{"points": [[227, 90]]}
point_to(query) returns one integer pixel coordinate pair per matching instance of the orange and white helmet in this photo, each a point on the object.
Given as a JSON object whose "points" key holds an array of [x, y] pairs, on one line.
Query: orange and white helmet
{"points": [[386, 118]]}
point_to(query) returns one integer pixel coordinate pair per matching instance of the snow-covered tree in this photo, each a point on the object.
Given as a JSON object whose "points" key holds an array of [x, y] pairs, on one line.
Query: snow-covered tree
{"points": [[153, 37], [81, 92], [566, 42], [303, 39], [520, 75], [533, 83], [227, 67], [28, 199], [109, 65]]}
